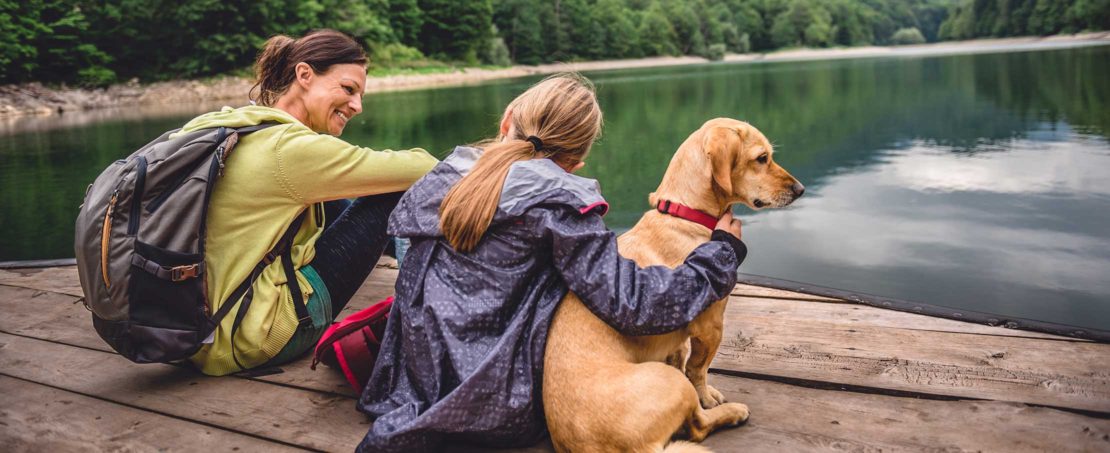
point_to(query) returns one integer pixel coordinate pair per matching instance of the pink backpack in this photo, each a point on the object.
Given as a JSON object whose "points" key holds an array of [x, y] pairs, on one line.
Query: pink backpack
{"points": [[352, 345]]}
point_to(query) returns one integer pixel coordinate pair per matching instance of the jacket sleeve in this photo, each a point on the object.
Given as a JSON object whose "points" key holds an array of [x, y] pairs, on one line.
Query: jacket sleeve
{"points": [[634, 300], [315, 167]]}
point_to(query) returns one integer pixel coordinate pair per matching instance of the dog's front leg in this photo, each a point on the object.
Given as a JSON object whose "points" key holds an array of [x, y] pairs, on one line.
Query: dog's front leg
{"points": [[705, 338], [677, 358]]}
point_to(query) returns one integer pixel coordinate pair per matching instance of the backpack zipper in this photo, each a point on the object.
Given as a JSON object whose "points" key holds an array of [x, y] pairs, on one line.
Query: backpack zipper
{"points": [[106, 233], [137, 197]]}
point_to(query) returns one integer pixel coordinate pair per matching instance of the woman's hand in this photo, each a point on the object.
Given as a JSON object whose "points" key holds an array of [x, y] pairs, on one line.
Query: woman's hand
{"points": [[729, 225]]}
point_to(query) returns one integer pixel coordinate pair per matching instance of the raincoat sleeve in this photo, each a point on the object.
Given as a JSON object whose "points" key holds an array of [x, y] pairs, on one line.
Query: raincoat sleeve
{"points": [[633, 300]]}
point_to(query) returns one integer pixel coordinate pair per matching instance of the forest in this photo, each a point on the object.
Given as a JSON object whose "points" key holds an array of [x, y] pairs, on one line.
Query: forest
{"points": [[96, 43]]}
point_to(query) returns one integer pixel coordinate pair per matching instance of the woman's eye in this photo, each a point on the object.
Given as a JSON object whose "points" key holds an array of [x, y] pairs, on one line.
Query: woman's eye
{"points": [[349, 90], [762, 158]]}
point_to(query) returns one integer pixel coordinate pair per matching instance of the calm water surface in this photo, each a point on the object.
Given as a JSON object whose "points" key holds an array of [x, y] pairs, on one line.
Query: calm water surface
{"points": [[971, 181]]}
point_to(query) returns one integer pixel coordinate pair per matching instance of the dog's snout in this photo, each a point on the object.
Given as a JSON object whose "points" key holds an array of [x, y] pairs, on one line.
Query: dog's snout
{"points": [[798, 189]]}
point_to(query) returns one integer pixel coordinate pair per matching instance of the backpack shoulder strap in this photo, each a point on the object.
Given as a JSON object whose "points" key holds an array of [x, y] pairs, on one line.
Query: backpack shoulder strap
{"points": [[241, 291], [248, 129]]}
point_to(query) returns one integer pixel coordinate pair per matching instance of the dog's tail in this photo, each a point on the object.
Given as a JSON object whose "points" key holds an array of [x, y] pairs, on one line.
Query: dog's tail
{"points": [[685, 447]]}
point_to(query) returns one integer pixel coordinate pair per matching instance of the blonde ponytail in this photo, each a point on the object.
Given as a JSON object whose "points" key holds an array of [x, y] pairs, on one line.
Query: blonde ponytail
{"points": [[469, 206], [562, 112]]}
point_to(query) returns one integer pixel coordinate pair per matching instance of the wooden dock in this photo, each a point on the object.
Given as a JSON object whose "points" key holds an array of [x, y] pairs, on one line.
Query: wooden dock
{"points": [[819, 374]]}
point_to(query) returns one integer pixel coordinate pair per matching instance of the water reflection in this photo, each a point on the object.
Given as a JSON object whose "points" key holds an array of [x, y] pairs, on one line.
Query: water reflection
{"points": [[1018, 232]]}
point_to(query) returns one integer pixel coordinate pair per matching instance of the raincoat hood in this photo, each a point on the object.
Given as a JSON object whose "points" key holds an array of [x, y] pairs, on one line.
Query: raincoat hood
{"points": [[528, 184]]}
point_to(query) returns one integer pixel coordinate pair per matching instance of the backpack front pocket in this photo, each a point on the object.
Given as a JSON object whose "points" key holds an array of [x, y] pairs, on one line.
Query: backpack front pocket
{"points": [[167, 289]]}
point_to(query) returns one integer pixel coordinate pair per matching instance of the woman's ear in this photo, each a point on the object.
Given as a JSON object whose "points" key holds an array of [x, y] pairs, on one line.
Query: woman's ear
{"points": [[304, 74], [506, 122]]}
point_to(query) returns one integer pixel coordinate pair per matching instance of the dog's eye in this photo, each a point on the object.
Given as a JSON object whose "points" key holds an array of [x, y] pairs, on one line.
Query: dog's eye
{"points": [[762, 158]]}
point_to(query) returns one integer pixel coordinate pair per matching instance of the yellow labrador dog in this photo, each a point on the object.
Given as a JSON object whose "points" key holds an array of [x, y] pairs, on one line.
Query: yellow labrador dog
{"points": [[606, 392]]}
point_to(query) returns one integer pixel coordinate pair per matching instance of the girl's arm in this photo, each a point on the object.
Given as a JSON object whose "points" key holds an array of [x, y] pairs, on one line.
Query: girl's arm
{"points": [[634, 300]]}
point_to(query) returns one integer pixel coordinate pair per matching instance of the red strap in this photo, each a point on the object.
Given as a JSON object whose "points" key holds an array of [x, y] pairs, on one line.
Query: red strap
{"points": [[688, 213]]}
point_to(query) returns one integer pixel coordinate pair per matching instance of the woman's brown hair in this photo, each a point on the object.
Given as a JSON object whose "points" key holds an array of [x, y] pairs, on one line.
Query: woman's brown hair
{"points": [[559, 115], [321, 49]]}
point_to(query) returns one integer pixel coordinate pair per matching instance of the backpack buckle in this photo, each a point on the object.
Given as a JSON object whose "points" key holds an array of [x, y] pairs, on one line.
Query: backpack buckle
{"points": [[180, 273]]}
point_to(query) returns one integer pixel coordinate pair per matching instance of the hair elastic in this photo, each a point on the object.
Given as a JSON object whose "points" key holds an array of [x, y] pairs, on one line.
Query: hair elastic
{"points": [[537, 144]]}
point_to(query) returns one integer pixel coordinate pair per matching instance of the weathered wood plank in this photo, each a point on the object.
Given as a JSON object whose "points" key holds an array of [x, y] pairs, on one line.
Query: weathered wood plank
{"points": [[760, 291], [26, 264], [863, 315], [60, 318], [55, 279], [784, 417], [1056, 373], [296, 417], [791, 418], [39, 418], [42, 313]]}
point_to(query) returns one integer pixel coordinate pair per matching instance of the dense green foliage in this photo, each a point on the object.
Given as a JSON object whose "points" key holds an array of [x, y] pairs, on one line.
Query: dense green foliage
{"points": [[100, 42], [975, 18]]}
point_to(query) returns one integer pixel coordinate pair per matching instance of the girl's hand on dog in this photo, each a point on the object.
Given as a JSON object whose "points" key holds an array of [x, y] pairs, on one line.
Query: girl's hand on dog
{"points": [[729, 225]]}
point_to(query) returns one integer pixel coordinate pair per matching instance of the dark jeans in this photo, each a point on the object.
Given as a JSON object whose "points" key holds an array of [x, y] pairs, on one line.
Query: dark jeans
{"points": [[351, 244]]}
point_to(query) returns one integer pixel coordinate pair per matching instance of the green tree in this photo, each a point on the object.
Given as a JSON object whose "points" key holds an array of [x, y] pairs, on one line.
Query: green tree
{"points": [[657, 35], [687, 27], [46, 41], [496, 52], [455, 29], [19, 27], [852, 23], [406, 20], [907, 36], [802, 23], [622, 38], [519, 24]]}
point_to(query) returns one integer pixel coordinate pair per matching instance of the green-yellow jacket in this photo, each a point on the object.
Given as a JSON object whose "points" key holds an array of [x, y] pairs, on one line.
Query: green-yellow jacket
{"points": [[271, 176]]}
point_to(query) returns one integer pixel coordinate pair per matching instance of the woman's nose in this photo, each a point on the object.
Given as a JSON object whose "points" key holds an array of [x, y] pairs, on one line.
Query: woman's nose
{"points": [[356, 104]]}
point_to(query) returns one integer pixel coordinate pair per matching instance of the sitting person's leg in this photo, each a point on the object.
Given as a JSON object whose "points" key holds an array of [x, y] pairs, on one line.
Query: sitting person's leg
{"points": [[351, 244], [352, 241]]}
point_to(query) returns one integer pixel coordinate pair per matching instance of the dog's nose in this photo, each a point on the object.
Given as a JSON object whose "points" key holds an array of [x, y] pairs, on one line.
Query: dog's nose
{"points": [[798, 189]]}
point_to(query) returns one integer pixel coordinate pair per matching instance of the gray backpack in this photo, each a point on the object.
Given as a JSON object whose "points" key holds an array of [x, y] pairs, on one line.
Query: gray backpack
{"points": [[140, 247]]}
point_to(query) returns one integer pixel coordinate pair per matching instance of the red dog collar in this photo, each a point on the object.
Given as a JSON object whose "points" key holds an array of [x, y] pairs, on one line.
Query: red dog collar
{"points": [[688, 213]]}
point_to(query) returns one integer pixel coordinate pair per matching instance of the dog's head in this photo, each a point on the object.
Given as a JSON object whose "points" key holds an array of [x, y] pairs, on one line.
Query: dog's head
{"points": [[742, 165]]}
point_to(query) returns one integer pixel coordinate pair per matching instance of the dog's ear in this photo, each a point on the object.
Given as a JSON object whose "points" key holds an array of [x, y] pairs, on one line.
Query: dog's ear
{"points": [[720, 145]]}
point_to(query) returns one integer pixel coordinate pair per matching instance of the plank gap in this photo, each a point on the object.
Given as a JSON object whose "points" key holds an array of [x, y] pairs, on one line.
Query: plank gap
{"points": [[834, 386], [164, 414], [184, 366], [855, 388]]}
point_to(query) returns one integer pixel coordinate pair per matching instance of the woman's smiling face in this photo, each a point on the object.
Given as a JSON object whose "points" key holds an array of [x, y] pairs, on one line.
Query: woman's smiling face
{"points": [[333, 97]]}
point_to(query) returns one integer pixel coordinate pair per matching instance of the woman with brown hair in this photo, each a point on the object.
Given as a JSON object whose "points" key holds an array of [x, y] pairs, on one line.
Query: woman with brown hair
{"points": [[308, 90], [500, 232]]}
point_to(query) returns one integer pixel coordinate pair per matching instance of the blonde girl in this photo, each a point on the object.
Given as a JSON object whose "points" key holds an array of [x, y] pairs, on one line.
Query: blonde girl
{"points": [[500, 232]]}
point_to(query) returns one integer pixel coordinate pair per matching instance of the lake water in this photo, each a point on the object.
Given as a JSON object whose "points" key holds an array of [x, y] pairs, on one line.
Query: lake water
{"points": [[973, 181]]}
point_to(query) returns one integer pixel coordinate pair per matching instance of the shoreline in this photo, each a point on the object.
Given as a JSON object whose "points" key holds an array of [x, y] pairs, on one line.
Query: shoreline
{"points": [[36, 102]]}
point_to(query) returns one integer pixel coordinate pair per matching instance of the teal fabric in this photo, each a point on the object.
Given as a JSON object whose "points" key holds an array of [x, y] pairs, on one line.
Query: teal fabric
{"points": [[319, 309]]}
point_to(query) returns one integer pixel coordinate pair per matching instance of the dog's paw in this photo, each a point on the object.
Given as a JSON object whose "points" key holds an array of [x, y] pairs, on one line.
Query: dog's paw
{"points": [[737, 413], [710, 397]]}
